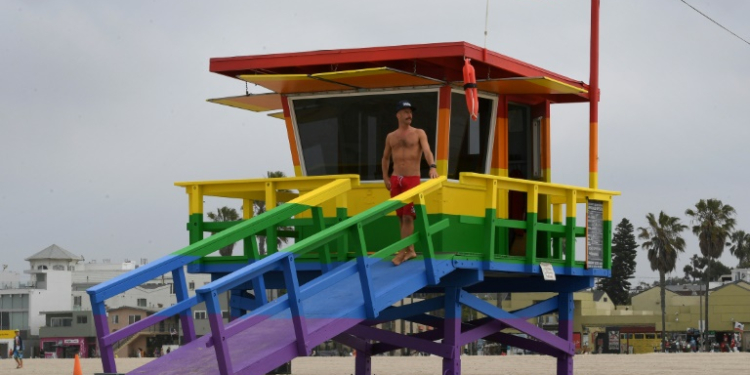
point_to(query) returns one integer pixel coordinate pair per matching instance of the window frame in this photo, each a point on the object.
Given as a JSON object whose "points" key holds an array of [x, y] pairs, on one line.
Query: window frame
{"points": [[292, 115], [493, 126]]}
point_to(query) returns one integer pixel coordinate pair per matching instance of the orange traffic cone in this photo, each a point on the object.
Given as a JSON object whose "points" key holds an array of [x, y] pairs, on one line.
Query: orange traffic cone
{"points": [[77, 367]]}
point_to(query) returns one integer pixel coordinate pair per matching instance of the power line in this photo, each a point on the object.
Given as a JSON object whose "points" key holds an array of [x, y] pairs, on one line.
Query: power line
{"points": [[718, 24]]}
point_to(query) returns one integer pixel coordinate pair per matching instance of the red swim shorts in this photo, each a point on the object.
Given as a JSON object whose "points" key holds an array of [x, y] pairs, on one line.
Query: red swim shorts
{"points": [[400, 184]]}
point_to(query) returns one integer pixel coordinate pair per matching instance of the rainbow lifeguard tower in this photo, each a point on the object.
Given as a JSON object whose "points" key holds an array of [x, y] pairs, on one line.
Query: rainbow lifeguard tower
{"points": [[494, 222]]}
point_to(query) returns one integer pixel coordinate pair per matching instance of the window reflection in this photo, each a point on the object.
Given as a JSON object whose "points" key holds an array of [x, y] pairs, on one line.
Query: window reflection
{"points": [[346, 134]]}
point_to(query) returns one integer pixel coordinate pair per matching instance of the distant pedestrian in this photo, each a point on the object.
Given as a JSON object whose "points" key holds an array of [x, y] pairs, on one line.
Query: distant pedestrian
{"points": [[18, 349]]}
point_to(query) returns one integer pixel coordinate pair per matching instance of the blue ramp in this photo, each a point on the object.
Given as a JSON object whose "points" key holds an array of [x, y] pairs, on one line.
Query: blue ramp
{"points": [[329, 310]]}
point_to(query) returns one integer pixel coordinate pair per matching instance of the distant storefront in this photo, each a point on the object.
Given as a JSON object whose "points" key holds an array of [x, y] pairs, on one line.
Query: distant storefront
{"points": [[6, 342], [68, 347]]}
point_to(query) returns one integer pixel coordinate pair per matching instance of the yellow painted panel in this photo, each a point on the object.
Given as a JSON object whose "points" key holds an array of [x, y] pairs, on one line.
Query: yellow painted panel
{"points": [[255, 103], [458, 200], [195, 196], [377, 78], [278, 115], [528, 85], [292, 83]]}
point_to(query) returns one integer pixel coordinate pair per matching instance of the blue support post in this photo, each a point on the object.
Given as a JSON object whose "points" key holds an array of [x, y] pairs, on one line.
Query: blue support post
{"points": [[565, 331], [295, 304], [452, 329], [259, 288], [181, 291]]}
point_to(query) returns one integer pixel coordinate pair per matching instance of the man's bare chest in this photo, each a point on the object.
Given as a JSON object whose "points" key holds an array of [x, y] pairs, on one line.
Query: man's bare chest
{"points": [[407, 141]]}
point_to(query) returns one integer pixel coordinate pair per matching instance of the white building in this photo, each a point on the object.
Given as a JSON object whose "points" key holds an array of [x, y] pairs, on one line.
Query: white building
{"points": [[741, 274], [58, 282], [9, 279]]}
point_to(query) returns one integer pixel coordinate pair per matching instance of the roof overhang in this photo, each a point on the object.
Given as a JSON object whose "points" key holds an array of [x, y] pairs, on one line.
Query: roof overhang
{"points": [[409, 65]]}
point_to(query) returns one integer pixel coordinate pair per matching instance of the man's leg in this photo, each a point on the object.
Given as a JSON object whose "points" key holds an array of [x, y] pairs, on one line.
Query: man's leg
{"points": [[407, 228], [399, 258]]}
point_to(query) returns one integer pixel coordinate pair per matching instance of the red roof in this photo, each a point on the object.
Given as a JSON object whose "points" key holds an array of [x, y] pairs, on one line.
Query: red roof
{"points": [[443, 61]]}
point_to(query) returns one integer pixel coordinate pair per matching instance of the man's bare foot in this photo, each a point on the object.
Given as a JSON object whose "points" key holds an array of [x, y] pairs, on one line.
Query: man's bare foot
{"points": [[399, 258], [409, 254], [403, 256]]}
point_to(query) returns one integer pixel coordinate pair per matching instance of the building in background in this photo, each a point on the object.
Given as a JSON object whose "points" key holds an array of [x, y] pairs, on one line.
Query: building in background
{"points": [[55, 299]]}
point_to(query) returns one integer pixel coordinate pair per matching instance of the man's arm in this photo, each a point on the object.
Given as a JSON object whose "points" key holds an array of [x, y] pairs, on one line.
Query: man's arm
{"points": [[386, 162], [428, 157]]}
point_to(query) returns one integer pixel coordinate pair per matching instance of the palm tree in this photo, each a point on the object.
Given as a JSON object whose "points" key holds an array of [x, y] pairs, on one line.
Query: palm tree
{"points": [[259, 207], [663, 243], [714, 222], [225, 214], [740, 247]]}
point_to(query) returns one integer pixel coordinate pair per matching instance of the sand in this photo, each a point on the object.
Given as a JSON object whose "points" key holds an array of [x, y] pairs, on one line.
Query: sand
{"points": [[605, 364]]}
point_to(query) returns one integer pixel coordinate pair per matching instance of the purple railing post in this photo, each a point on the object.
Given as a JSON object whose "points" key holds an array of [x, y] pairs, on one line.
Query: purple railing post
{"points": [[102, 329], [565, 331], [216, 322], [452, 328], [181, 291]]}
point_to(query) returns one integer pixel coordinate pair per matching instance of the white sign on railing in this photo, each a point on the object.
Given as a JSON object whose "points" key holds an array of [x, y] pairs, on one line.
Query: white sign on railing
{"points": [[594, 234], [547, 271]]}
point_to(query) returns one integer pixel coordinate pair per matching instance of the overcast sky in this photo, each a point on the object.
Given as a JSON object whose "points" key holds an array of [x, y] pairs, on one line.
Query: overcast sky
{"points": [[102, 105]]}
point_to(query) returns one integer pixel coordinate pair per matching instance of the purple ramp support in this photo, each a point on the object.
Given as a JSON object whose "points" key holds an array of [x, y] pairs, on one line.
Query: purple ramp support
{"points": [[363, 361], [217, 334], [565, 331], [102, 329], [452, 328]]}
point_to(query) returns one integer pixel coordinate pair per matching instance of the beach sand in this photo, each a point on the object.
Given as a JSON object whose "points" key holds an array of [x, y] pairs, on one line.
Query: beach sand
{"points": [[602, 364]]}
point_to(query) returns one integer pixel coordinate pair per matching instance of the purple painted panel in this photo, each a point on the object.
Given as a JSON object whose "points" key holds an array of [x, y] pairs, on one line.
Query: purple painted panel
{"points": [[256, 351]]}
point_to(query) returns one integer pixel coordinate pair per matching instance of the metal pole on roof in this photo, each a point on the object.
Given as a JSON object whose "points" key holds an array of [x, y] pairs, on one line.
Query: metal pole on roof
{"points": [[594, 98], [486, 22]]}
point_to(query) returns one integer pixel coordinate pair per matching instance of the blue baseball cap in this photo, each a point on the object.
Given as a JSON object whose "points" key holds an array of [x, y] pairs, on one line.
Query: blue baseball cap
{"points": [[405, 104]]}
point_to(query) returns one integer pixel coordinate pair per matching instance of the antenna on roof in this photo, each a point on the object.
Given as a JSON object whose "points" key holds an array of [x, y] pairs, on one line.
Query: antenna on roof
{"points": [[486, 22]]}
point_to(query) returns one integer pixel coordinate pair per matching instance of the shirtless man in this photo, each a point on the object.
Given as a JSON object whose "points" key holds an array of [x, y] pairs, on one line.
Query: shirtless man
{"points": [[405, 146]]}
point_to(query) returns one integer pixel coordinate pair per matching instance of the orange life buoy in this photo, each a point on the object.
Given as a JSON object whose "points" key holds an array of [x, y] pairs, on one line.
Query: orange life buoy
{"points": [[470, 87]]}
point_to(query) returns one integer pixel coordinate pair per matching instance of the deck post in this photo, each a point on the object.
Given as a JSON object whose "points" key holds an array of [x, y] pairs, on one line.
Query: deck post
{"points": [[565, 331], [452, 329], [363, 360]]}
